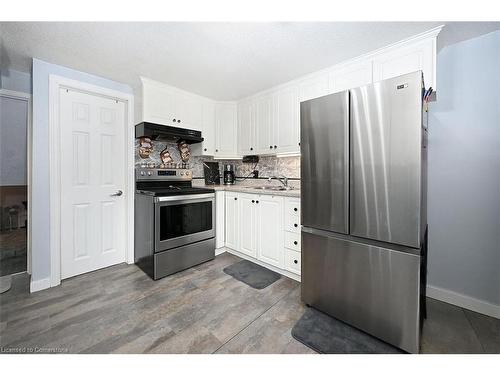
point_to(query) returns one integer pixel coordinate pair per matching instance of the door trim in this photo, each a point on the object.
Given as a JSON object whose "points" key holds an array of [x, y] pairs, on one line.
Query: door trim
{"points": [[18, 95], [55, 83]]}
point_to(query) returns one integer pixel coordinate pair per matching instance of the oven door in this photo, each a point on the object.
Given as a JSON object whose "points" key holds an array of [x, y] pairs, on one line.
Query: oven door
{"points": [[181, 220]]}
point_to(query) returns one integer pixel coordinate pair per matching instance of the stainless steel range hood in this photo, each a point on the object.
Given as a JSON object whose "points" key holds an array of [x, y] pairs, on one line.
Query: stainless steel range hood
{"points": [[167, 133]]}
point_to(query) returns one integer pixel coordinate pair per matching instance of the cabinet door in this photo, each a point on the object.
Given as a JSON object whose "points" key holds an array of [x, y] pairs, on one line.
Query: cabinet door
{"points": [[220, 214], [270, 247], [226, 130], [263, 125], [246, 133], [208, 131], [158, 103], [350, 77], [419, 56], [286, 121], [207, 147], [248, 224], [232, 218], [189, 112]]}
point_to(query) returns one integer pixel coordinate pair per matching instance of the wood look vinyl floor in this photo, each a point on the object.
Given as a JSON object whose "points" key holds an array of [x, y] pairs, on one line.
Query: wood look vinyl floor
{"points": [[200, 310]]}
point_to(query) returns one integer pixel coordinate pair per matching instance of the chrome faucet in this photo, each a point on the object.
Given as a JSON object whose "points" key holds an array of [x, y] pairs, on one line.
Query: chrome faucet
{"points": [[282, 179]]}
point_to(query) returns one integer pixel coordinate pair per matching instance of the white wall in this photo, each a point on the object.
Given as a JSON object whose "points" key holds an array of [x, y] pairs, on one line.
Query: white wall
{"points": [[13, 134], [15, 81], [464, 171], [40, 181]]}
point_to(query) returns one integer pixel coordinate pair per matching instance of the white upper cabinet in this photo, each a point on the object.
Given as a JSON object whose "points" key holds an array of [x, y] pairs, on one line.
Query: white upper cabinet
{"points": [[406, 59], [189, 110], [226, 124], [246, 127], [167, 105], [264, 127], [286, 110], [207, 147], [313, 87], [158, 102], [350, 76]]}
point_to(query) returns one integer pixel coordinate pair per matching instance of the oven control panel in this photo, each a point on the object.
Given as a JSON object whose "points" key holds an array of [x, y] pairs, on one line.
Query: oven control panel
{"points": [[163, 174]]}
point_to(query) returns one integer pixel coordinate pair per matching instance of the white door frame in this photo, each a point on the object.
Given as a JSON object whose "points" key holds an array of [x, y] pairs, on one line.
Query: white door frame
{"points": [[29, 130], [55, 83]]}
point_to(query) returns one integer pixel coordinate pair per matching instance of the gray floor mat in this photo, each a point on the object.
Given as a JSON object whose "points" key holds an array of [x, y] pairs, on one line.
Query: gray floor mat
{"points": [[252, 274], [328, 335]]}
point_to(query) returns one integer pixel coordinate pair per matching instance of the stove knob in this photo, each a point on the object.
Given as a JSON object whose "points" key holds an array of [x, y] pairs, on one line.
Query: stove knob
{"points": [[187, 173], [182, 173], [143, 173], [149, 173]]}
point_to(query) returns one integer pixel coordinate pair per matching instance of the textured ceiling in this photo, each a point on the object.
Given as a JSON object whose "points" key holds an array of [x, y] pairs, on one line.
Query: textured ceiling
{"points": [[223, 61]]}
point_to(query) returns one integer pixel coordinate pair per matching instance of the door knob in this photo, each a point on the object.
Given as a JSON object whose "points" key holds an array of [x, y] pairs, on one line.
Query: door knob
{"points": [[117, 194]]}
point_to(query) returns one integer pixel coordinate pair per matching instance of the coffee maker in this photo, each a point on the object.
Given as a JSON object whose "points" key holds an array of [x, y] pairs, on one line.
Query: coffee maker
{"points": [[229, 175]]}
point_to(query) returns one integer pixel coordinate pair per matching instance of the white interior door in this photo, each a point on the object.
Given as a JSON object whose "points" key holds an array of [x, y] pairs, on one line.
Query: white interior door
{"points": [[93, 164]]}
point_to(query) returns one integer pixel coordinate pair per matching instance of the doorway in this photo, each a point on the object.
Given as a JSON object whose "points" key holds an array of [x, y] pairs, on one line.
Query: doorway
{"points": [[91, 177], [14, 181]]}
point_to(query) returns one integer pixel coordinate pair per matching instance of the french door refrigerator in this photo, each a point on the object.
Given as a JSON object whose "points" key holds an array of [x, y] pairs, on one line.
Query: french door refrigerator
{"points": [[363, 201]]}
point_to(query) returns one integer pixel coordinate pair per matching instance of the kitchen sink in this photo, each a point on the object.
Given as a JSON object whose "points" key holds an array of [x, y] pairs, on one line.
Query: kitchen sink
{"points": [[274, 188]]}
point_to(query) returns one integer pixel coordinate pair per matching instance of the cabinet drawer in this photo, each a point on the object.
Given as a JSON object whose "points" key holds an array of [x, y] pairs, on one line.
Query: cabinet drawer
{"points": [[292, 240], [292, 261], [292, 207], [292, 223]]}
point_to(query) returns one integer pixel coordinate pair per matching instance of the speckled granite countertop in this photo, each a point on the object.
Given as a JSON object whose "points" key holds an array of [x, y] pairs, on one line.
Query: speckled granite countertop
{"points": [[245, 188]]}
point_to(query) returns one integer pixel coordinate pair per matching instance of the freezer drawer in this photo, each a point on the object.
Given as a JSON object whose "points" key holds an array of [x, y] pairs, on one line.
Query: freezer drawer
{"points": [[372, 288]]}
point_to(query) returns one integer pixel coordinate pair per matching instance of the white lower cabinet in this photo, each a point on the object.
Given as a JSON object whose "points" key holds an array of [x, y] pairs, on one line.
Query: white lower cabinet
{"points": [[232, 219], [292, 261], [255, 229], [270, 230], [248, 224], [220, 219]]}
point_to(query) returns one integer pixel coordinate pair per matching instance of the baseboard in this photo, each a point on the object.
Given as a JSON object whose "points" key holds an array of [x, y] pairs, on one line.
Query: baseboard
{"points": [[36, 285], [461, 300], [220, 251]]}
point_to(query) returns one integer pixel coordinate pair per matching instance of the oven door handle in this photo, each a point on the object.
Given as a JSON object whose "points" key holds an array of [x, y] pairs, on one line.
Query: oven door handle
{"points": [[184, 197]]}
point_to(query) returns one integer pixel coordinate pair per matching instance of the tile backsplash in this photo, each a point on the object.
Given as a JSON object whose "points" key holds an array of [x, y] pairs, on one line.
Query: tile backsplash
{"points": [[268, 166]]}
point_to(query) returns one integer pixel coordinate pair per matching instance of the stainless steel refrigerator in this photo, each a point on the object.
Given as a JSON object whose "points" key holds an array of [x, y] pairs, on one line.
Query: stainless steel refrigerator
{"points": [[363, 201]]}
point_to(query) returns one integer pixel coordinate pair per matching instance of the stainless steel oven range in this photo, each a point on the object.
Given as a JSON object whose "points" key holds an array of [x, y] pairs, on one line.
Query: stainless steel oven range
{"points": [[174, 222]]}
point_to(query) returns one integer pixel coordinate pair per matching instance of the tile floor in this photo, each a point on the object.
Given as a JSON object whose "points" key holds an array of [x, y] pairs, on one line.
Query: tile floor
{"points": [[200, 310]]}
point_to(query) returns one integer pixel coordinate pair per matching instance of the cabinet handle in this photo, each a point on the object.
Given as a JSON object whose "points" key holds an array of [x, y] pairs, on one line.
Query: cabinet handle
{"points": [[270, 147], [295, 242], [178, 120], [251, 148], [295, 261], [256, 201], [204, 149], [299, 143], [235, 198], [253, 201], [295, 209], [295, 225], [216, 150], [174, 120], [275, 146]]}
